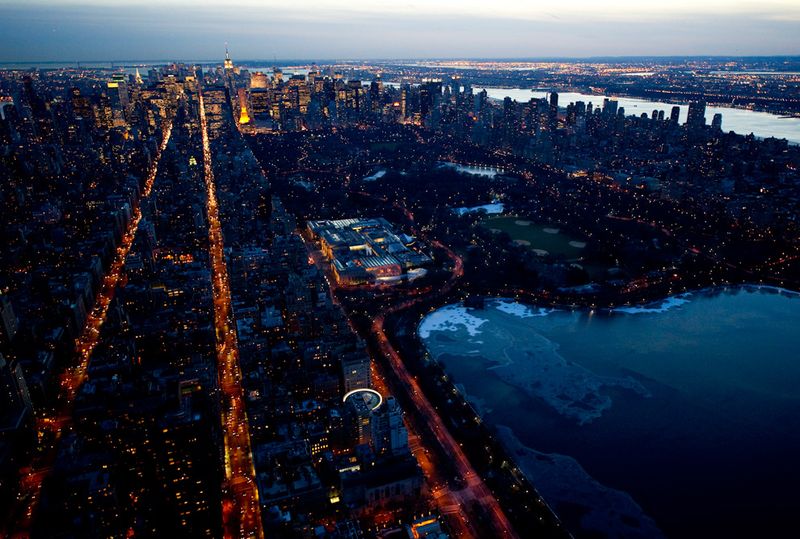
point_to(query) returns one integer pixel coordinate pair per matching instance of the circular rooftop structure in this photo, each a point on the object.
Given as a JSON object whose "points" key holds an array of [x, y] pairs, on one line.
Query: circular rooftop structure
{"points": [[371, 398]]}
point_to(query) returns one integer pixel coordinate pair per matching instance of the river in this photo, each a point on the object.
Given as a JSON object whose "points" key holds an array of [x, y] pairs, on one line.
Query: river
{"points": [[682, 417], [741, 121]]}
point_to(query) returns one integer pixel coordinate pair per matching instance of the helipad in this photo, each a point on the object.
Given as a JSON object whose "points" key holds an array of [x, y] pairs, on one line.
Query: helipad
{"points": [[372, 398]]}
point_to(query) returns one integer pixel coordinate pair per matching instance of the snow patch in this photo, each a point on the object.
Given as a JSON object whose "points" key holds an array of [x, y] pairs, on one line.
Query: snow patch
{"points": [[492, 209], [655, 307], [486, 172], [377, 175], [450, 318], [521, 310]]}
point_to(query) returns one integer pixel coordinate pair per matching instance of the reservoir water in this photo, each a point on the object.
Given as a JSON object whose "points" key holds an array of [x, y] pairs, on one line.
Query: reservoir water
{"points": [[681, 418], [741, 121]]}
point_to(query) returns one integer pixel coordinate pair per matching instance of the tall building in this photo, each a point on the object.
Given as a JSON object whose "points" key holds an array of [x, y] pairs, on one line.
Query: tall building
{"points": [[119, 100], [375, 93], [15, 401], [455, 89], [244, 118], [359, 419], [228, 62], [356, 371], [675, 114], [260, 104], [259, 80], [389, 434], [610, 107], [716, 122], [405, 90], [429, 92], [697, 114], [81, 105], [8, 322], [552, 114]]}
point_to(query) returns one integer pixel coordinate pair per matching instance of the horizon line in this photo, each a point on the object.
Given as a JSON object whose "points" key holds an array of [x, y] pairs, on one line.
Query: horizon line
{"points": [[416, 59]]}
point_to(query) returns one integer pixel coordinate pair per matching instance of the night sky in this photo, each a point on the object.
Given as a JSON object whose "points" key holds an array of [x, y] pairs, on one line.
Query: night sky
{"points": [[323, 29]]}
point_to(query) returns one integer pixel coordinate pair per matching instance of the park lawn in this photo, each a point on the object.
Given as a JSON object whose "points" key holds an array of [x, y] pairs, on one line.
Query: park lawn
{"points": [[538, 236]]}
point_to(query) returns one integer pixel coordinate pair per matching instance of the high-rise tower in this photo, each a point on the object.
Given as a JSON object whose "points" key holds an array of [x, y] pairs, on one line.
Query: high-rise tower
{"points": [[697, 114], [244, 117], [228, 62], [388, 433]]}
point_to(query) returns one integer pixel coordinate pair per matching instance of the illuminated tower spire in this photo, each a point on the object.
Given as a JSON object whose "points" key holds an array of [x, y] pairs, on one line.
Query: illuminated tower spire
{"points": [[138, 77], [228, 61]]}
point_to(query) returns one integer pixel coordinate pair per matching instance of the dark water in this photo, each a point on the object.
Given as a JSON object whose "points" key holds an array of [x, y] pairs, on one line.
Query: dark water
{"points": [[694, 410]]}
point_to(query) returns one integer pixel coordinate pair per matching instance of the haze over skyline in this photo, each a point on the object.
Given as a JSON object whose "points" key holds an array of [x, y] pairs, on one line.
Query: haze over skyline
{"points": [[102, 30]]}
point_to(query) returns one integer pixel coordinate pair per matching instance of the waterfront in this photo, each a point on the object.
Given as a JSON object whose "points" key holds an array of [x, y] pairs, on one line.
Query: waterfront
{"points": [[741, 121], [676, 404]]}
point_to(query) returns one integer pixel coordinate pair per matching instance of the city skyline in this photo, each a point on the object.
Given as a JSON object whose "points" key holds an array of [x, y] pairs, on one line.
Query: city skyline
{"points": [[106, 31]]}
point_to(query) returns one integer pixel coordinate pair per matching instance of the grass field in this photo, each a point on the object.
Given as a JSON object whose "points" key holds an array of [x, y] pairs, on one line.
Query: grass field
{"points": [[542, 239], [389, 146]]}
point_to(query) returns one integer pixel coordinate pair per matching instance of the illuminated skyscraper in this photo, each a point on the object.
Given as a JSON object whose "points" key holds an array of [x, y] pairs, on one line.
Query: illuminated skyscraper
{"points": [[244, 118], [119, 100], [260, 104], [404, 91], [228, 62], [259, 80]]}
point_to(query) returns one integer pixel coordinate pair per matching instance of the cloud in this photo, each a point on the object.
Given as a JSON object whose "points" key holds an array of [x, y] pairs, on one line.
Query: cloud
{"points": [[176, 30]]}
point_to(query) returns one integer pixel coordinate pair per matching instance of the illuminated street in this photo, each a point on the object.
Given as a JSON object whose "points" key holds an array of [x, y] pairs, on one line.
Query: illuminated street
{"points": [[241, 510], [475, 489], [52, 426]]}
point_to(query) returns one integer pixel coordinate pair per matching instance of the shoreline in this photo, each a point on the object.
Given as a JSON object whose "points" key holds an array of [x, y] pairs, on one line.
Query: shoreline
{"points": [[521, 452], [672, 102], [630, 308]]}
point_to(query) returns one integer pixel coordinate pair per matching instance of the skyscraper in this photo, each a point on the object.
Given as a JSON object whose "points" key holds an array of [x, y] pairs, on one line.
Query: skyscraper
{"points": [[15, 401], [389, 434], [610, 107], [8, 322], [697, 114], [716, 122], [228, 62], [356, 371], [259, 80], [429, 91], [119, 100], [244, 118]]}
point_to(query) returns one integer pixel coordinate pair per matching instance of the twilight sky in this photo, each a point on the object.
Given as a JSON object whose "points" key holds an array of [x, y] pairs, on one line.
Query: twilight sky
{"points": [[59, 30]]}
